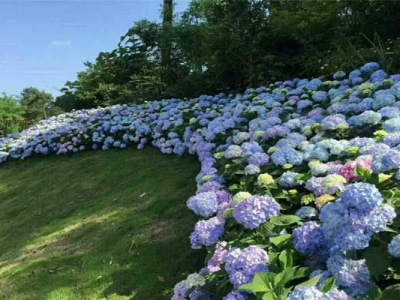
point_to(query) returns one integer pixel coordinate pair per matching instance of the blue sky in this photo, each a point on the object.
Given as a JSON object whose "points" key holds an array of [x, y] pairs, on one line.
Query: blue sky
{"points": [[44, 43]]}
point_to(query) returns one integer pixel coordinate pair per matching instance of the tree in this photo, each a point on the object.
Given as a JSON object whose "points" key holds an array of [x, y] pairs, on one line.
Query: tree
{"points": [[168, 13], [37, 104], [11, 119]]}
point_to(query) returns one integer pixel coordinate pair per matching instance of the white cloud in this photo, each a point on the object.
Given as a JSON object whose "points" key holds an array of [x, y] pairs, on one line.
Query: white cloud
{"points": [[61, 43]]}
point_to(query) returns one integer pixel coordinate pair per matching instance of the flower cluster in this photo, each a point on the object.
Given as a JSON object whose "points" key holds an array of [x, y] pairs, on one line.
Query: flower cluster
{"points": [[326, 151]]}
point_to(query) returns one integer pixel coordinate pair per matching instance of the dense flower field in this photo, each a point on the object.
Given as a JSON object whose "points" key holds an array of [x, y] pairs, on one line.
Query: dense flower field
{"points": [[298, 193]]}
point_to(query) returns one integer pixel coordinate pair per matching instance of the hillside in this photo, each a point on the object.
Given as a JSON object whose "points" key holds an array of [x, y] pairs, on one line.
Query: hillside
{"points": [[96, 224], [298, 194]]}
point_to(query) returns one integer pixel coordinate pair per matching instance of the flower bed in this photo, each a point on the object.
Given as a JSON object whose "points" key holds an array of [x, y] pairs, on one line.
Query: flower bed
{"points": [[298, 192]]}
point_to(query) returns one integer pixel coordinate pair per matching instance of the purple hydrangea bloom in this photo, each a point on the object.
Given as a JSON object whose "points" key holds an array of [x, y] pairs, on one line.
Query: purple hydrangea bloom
{"points": [[207, 233], [308, 238], [242, 265], [255, 210], [214, 264], [259, 159]]}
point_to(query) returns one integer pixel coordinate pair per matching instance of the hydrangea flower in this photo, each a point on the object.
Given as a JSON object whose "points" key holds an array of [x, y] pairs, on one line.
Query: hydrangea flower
{"points": [[236, 296], [242, 265], [308, 238], [233, 152], [265, 180], [255, 210], [288, 179], [287, 155], [207, 233], [352, 275], [214, 264], [306, 293], [252, 170], [333, 122], [239, 197], [394, 247], [203, 204], [307, 212]]}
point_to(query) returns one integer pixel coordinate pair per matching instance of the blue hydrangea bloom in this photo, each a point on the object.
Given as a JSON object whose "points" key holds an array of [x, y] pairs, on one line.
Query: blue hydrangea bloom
{"points": [[334, 121], [307, 212], [288, 179], [203, 204], [352, 275], [394, 247], [362, 196], [306, 293], [369, 67], [255, 210], [287, 155], [236, 296]]}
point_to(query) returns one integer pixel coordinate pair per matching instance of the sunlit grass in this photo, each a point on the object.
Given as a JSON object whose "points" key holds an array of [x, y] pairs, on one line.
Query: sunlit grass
{"points": [[95, 226]]}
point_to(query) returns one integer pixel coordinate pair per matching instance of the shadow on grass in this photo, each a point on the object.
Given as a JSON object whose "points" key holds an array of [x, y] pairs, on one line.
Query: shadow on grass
{"points": [[95, 225]]}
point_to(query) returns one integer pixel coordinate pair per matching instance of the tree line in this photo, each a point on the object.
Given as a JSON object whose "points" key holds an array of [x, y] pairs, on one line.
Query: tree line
{"points": [[227, 46]]}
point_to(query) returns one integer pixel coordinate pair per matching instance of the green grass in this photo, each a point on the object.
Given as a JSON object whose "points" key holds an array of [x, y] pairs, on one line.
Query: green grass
{"points": [[95, 225]]}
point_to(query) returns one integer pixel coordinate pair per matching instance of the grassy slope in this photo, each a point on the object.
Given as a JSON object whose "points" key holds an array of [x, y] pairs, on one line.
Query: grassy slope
{"points": [[96, 224]]}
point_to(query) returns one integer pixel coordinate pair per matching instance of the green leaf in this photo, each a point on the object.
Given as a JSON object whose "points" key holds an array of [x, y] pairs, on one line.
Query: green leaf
{"points": [[267, 229], [364, 173], [286, 258], [281, 240], [268, 296], [290, 274], [328, 285], [311, 282], [260, 283], [377, 259], [375, 293], [285, 220], [391, 292]]}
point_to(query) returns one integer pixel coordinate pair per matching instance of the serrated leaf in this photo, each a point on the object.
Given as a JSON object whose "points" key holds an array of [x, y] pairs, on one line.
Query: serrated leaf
{"points": [[286, 258], [267, 229], [261, 283], [328, 285], [310, 283], [281, 240], [285, 220], [290, 274], [268, 296]]}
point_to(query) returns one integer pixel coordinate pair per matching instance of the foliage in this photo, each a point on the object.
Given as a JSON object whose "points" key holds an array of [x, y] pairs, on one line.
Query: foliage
{"points": [[37, 104], [10, 115], [228, 45]]}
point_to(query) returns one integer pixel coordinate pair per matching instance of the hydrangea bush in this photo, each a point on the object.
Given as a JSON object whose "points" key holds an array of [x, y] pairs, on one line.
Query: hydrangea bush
{"points": [[298, 193]]}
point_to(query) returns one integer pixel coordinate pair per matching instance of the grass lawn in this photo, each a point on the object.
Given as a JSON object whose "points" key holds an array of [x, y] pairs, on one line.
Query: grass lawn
{"points": [[96, 225]]}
